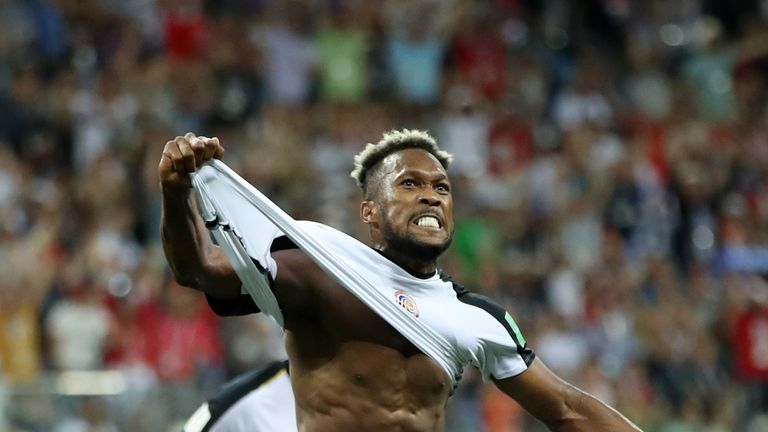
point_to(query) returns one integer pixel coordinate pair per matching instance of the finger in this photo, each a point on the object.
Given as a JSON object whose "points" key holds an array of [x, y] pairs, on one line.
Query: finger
{"points": [[165, 161], [209, 149], [198, 148], [172, 152], [189, 136], [219, 152], [187, 154]]}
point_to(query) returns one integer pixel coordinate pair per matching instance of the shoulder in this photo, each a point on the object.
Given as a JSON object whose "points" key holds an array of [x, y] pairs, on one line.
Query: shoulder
{"points": [[489, 306], [292, 262], [297, 282], [474, 299]]}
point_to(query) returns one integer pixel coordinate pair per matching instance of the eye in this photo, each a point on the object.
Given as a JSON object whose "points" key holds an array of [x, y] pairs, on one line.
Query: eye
{"points": [[443, 187], [408, 183]]}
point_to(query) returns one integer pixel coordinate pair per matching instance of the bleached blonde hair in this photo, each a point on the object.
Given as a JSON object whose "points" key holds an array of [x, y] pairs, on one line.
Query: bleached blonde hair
{"points": [[392, 141]]}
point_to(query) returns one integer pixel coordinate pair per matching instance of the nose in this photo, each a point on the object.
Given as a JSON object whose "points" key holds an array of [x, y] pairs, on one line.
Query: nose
{"points": [[431, 200]]}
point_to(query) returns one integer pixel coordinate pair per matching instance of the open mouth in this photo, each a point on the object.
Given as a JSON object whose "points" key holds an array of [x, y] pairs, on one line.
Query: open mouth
{"points": [[428, 221]]}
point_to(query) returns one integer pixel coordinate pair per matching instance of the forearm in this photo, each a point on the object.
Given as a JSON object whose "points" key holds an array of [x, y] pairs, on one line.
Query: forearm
{"points": [[194, 260], [588, 414]]}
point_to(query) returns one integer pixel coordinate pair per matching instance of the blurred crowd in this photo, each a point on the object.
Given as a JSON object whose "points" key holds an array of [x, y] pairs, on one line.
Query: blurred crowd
{"points": [[610, 180]]}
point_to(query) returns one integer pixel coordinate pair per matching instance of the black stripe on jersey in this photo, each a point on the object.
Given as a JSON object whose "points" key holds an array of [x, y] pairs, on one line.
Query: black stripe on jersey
{"points": [[240, 387], [282, 243], [493, 309], [278, 244]]}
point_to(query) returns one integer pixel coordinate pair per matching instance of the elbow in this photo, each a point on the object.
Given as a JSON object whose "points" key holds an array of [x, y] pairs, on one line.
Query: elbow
{"points": [[209, 281], [185, 279], [187, 282], [581, 411], [574, 402], [567, 412], [187, 276]]}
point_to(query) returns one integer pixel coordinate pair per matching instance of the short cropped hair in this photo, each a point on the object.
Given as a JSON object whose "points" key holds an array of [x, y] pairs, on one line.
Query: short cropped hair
{"points": [[392, 141]]}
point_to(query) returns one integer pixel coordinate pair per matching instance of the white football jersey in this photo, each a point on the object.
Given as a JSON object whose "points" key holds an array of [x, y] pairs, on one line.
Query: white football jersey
{"points": [[481, 331]]}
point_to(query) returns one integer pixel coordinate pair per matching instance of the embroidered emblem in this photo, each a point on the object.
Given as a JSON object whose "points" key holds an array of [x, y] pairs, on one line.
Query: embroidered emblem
{"points": [[407, 302]]}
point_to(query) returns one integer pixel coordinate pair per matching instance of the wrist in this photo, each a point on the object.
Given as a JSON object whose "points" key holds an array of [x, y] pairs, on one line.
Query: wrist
{"points": [[176, 191]]}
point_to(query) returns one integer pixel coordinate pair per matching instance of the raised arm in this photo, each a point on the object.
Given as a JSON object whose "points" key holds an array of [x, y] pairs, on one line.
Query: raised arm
{"points": [[195, 261], [561, 406]]}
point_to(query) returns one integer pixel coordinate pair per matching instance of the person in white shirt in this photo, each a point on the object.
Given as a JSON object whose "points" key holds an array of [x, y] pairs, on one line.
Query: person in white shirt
{"points": [[256, 401], [350, 369]]}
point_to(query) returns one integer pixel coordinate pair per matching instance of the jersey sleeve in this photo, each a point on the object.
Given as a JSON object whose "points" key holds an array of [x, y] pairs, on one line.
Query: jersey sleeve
{"points": [[501, 351], [242, 305]]}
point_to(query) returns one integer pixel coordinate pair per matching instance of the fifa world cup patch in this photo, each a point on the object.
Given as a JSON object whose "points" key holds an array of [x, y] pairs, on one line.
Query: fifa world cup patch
{"points": [[407, 302]]}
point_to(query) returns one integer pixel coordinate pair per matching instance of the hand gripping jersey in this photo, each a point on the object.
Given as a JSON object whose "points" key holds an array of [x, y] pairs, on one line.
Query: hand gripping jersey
{"points": [[452, 326]]}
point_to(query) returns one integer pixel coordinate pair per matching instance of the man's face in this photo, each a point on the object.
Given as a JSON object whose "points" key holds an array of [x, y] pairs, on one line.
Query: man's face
{"points": [[413, 205]]}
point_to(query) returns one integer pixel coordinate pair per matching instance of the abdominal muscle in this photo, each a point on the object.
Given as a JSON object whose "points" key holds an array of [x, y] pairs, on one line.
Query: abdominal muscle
{"points": [[369, 387], [351, 370]]}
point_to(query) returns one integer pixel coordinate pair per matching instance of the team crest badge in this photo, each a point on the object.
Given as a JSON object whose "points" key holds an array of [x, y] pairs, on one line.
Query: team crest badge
{"points": [[407, 302]]}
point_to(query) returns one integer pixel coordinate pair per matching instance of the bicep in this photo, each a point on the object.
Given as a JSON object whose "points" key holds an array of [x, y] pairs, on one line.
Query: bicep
{"points": [[286, 271], [221, 279], [539, 391], [218, 278], [561, 406]]}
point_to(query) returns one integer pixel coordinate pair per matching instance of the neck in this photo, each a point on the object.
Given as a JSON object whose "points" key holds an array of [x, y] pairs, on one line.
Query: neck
{"points": [[416, 267]]}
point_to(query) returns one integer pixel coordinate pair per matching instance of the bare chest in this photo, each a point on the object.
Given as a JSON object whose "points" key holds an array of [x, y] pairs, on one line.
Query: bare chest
{"points": [[351, 370], [371, 353]]}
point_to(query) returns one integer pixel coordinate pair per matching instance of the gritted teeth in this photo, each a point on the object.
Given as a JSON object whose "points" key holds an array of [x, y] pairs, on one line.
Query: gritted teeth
{"points": [[428, 221]]}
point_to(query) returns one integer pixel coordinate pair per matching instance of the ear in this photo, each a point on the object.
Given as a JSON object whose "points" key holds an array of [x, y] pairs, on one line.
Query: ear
{"points": [[369, 213]]}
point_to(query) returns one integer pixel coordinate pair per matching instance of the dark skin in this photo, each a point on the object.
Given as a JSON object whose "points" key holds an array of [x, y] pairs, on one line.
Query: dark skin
{"points": [[350, 370]]}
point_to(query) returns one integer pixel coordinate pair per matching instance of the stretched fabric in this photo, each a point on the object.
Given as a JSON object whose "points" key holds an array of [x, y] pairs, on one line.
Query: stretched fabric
{"points": [[244, 222]]}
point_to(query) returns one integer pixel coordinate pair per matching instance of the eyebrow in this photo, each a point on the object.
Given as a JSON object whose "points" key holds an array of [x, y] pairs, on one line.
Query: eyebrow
{"points": [[422, 174]]}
